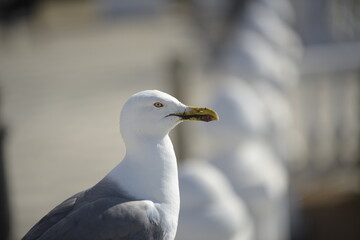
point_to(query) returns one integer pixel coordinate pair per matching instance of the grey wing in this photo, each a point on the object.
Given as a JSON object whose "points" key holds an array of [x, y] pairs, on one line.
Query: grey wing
{"points": [[52, 218], [108, 218]]}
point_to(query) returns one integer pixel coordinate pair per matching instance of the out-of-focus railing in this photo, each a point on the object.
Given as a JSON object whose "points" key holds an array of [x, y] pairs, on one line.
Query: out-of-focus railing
{"points": [[329, 105]]}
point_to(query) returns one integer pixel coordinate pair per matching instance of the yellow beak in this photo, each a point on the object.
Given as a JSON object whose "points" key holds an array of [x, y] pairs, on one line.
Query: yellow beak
{"points": [[198, 114]]}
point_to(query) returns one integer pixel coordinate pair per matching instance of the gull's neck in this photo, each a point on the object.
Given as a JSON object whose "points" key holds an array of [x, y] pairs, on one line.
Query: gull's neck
{"points": [[148, 170]]}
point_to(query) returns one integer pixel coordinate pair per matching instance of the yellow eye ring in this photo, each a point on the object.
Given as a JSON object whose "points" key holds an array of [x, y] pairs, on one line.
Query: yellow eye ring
{"points": [[158, 104]]}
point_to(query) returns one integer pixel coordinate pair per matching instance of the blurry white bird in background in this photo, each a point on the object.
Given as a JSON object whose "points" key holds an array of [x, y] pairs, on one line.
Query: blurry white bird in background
{"points": [[265, 51], [239, 150], [210, 209]]}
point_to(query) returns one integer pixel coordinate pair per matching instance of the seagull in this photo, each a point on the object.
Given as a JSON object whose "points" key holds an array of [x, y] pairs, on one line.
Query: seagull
{"points": [[139, 198]]}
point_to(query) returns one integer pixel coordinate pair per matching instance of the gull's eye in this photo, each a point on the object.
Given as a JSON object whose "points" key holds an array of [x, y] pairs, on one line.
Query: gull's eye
{"points": [[158, 104]]}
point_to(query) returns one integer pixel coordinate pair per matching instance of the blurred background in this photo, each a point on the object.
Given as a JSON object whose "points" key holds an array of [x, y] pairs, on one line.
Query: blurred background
{"points": [[284, 75]]}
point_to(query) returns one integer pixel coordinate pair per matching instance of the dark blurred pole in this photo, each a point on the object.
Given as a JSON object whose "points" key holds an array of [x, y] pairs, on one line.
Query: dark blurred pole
{"points": [[14, 11], [358, 140], [177, 75], [4, 204]]}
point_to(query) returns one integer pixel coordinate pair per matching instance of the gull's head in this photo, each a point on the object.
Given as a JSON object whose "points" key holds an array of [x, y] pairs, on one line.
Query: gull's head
{"points": [[155, 113]]}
